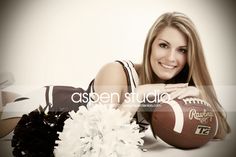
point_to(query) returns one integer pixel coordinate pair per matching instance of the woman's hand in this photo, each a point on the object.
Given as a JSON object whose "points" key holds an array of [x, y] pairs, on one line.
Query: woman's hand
{"points": [[143, 90], [184, 92], [179, 90]]}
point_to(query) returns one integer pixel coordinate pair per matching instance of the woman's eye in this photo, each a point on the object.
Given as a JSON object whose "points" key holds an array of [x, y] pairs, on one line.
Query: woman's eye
{"points": [[183, 50], [163, 45]]}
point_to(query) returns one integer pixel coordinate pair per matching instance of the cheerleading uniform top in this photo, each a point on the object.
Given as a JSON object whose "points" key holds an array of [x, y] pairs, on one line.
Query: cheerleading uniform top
{"points": [[132, 82]]}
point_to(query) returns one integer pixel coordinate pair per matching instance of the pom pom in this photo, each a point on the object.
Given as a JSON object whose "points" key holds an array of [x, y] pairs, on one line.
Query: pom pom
{"points": [[35, 133], [99, 131]]}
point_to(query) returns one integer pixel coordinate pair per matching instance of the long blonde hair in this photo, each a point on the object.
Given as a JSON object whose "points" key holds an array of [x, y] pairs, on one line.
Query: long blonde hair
{"points": [[195, 71]]}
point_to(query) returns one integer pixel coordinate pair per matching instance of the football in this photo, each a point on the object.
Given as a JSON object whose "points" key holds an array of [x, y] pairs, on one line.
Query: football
{"points": [[184, 123]]}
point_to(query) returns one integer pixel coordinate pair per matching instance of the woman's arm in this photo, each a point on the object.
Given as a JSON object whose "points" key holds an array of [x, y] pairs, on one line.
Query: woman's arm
{"points": [[111, 79]]}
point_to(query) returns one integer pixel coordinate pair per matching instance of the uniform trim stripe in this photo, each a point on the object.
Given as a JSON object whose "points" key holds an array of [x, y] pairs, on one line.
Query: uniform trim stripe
{"points": [[130, 89], [131, 78], [130, 64]]}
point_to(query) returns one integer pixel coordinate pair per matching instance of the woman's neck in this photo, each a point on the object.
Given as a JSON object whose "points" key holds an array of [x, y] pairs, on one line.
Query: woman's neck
{"points": [[158, 80], [137, 67]]}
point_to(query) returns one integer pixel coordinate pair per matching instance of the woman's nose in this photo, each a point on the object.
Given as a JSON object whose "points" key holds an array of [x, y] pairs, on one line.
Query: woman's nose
{"points": [[171, 55]]}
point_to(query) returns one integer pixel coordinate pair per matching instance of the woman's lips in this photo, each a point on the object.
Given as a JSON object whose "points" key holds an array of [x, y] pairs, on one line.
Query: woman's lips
{"points": [[166, 66]]}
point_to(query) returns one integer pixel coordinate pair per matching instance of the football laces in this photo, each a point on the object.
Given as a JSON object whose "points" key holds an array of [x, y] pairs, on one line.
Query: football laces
{"points": [[193, 101]]}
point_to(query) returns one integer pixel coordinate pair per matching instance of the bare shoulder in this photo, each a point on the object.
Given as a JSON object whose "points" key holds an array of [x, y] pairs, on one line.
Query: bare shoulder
{"points": [[111, 74]]}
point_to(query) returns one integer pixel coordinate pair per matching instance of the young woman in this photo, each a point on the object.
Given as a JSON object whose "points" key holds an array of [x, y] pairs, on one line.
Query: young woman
{"points": [[173, 62]]}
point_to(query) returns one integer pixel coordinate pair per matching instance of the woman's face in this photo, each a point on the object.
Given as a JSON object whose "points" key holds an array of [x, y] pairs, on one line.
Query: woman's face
{"points": [[168, 53]]}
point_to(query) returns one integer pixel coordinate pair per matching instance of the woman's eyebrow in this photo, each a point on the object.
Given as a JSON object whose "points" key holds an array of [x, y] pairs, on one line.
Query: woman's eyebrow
{"points": [[184, 46], [165, 41]]}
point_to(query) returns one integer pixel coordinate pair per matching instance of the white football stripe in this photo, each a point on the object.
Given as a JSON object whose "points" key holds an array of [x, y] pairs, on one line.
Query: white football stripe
{"points": [[179, 116], [217, 125]]}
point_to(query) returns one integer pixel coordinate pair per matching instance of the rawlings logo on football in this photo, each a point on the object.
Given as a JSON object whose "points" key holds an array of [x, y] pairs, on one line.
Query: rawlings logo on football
{"points": [[201, 116]]}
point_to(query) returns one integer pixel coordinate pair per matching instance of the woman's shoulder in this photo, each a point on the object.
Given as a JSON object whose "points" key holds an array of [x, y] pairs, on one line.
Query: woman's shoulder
{"points": [[117, 67], [114, 73], [111, 68], [111, 73]]}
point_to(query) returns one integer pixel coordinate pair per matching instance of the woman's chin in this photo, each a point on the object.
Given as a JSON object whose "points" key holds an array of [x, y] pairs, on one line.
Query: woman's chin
{"points": [[166, 77]]}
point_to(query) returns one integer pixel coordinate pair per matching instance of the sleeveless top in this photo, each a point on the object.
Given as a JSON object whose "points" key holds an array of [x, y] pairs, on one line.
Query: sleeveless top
{"points": [[132, 82]]}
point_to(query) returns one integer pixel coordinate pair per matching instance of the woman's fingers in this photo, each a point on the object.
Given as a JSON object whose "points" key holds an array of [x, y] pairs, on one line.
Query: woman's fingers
{"points": [[173, 89], [176, 93], [184, 92], [170, 90], [166, 87], [177, 85], [190, 91]]}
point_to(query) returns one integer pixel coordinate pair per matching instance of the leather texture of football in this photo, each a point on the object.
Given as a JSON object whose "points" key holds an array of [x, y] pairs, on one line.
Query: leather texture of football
{"points": [[185, 123]]}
